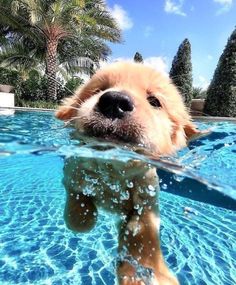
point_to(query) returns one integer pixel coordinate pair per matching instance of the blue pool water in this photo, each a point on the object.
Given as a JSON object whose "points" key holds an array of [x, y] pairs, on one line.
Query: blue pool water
{"points": [[37, 248]]}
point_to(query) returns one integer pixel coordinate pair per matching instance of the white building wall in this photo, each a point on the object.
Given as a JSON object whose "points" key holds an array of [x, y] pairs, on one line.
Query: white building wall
{"points": [[7, 100]]}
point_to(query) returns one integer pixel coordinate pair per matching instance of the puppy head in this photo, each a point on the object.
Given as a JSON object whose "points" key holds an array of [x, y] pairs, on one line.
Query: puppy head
{"points": [[132, 103]]}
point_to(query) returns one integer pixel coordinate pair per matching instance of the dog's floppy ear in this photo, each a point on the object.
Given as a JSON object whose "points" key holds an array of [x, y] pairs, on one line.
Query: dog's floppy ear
{"points": [[67, 110], [193, 133]]}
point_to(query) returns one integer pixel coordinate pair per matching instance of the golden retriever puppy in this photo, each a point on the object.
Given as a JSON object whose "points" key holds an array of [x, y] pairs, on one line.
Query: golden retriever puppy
{"points": [[128, 103]]}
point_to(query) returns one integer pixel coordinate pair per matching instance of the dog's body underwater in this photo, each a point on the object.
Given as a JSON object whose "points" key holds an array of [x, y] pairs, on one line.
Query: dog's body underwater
{"points": [[129, 103]]}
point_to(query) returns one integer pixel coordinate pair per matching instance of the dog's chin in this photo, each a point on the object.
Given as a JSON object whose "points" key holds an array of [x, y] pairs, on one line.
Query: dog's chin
{"points": [[111, 136]]}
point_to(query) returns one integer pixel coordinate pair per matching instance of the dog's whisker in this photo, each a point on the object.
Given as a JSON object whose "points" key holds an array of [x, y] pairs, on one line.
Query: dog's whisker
{"points": [[71, 107], [71, 120]]}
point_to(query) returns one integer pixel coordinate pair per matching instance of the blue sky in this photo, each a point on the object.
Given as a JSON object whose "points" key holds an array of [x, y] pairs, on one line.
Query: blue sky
{"points": [[156, 28]]}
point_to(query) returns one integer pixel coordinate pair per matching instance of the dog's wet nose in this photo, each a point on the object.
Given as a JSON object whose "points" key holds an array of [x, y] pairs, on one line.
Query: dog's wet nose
{"points": [[115, 105]]}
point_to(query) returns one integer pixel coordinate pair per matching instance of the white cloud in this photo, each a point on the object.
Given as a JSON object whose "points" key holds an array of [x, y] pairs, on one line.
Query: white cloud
{"points": [[157, 62], [148, 31], [225, 5], [122, 17], [224, 2], [201, 82], [174, 7]]}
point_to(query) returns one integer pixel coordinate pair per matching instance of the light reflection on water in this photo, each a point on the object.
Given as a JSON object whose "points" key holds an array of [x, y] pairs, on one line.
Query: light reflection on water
{"points": [[198, 239]]}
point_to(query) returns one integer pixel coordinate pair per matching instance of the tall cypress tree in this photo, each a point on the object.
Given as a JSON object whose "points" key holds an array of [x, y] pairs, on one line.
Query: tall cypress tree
{"points": [[138, 57], [181, 71], [221, 94]]}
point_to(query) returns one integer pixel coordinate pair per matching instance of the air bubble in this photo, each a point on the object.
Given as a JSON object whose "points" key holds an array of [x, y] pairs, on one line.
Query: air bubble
{"points": [[140, 210], [88, 191], [136, 206], [178, 178], [115, 200], [151, 188], [124, 195], [164, 186], [151, 191], [115, 188], [136, 230], [130, 184]]}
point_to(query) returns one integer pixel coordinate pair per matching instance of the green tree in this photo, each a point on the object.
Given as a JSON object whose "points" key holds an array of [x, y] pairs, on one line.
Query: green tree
{"points": [[181, 71], [138, 57], [17, 56], [199, 93], [60, 25], [221, 94]]}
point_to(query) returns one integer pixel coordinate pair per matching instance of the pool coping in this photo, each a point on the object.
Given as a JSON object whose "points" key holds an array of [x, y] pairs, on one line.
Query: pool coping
{"points": [[215, 119], [198, 118], [28, 109]]}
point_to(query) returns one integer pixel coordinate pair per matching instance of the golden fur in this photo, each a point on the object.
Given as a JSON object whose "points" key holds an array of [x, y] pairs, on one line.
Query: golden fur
{"points": [[161, 128]]}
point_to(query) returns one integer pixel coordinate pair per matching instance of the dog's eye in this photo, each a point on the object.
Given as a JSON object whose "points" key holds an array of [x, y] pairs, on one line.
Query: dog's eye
{"points": [[154, 101]]}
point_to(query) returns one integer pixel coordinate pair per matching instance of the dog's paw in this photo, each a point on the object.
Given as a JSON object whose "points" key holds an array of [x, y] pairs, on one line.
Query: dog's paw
{"points": [[129, 280]]}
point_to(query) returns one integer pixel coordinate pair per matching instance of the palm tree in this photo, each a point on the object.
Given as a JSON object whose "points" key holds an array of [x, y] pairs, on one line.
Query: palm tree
{"points": [[58, 26], [23, 55], [18, 56]]}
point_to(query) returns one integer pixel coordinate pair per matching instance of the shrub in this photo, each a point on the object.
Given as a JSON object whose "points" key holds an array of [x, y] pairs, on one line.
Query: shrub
{"points": [[34, 88], [9, 77], [199, 93], [36, 104]]}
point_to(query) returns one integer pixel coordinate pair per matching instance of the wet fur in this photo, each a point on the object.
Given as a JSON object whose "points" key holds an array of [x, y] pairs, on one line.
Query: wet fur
{"points": [[160, 130]]}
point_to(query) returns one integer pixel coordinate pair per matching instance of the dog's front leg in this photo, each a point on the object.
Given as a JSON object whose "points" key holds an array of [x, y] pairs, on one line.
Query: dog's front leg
{"points": [[80, 212], [141, 259]]}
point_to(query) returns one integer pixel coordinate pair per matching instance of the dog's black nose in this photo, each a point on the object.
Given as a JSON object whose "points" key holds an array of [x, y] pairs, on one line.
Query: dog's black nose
{"points": [[115, 105]]}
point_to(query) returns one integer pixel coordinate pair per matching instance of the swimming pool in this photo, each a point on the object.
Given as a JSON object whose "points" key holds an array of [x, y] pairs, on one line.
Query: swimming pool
{"points": [[37, 248]]}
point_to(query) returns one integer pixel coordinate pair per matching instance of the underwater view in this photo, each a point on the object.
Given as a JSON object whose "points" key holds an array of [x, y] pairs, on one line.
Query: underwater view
{"points": [[197, 207]]}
